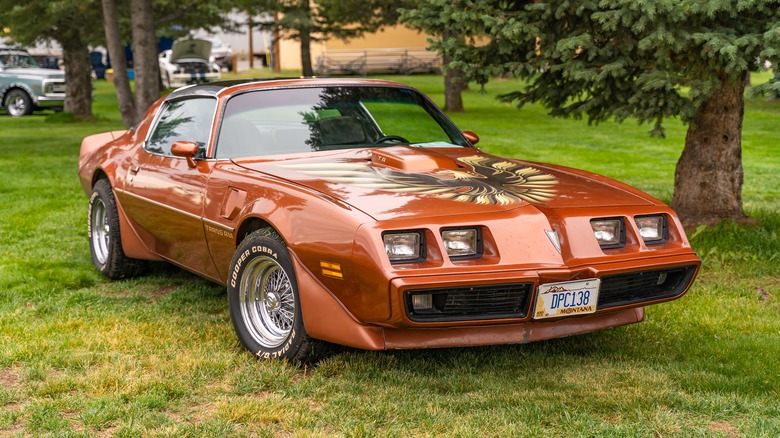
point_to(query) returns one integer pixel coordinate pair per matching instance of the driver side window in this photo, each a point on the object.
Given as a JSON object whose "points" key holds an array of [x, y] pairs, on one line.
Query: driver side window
{"points": [[183, 120]]}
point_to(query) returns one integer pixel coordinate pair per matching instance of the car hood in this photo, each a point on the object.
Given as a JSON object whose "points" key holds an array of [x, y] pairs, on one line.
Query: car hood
{"points": [[37, 73], [191, 48], [403, 181]]}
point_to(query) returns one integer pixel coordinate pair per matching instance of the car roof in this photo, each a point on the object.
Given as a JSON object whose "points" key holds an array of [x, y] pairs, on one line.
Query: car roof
{"points": [[238, 85]]}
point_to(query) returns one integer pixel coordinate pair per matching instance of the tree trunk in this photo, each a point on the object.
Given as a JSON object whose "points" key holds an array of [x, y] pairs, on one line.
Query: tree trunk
{"points": [[119, 63], [78, 78], [306, 66], [305, 33], [453, 91], [708, 178], [453, 84], [145, 64]]}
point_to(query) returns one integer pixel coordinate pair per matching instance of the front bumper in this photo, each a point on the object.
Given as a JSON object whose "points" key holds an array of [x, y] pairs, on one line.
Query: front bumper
{"points": [[50, 101], [486, 301], [325, 317], [518, 333]]}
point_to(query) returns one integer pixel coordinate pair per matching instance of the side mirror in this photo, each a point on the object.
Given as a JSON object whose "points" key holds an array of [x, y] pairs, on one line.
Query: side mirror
{"points": [[470, 136], [185, 149]]}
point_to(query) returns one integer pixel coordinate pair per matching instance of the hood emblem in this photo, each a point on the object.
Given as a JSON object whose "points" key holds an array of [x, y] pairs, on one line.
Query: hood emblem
{"points": [[490, 182]]}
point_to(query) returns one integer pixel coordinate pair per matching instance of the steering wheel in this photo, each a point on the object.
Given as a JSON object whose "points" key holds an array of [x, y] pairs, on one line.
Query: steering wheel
{"points": [[386, 138]]}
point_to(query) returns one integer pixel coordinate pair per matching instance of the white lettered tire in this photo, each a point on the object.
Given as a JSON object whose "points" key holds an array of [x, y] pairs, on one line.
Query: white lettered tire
{"points": [[263, 298]]}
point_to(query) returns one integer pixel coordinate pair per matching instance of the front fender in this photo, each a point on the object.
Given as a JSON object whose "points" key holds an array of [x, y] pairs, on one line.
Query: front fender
{"points": [[21, 85]]}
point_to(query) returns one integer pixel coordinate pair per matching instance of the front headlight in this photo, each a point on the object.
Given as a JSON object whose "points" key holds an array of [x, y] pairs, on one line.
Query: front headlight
{"points": [[461, 242], [403, 246], [651, 228], [608, 232]]}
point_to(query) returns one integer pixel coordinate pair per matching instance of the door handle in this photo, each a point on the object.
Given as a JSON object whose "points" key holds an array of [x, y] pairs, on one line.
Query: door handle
{"points": [[134, 170]]}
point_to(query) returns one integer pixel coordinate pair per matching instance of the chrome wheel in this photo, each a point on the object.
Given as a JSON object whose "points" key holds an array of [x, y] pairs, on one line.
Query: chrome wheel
{"points": [[267, 301], [17, 103], [101, 231]]}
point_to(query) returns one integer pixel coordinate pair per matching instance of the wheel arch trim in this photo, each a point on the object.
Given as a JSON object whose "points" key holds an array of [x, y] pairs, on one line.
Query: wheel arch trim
{"points": [[132, 244], [20, 86]]}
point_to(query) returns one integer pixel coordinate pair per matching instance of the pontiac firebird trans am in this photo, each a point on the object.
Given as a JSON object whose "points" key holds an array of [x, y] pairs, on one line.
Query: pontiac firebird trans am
{"points": [[355, 212]]}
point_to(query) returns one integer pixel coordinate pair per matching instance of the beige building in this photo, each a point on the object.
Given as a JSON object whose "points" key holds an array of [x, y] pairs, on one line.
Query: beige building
{"points": [[390, 48]]}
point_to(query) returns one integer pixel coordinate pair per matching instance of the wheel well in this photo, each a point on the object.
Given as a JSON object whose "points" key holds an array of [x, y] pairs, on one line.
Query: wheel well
{"points": [[4, 94], [250, 225], [10, 89], [99, 174]]}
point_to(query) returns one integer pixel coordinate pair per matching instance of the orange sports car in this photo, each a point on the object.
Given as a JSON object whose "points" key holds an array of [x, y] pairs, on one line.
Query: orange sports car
{"points": [[355, 212]]}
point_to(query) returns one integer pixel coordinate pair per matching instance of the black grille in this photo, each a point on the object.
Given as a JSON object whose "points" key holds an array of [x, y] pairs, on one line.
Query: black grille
{"points": [[635, 287], [477, 302]]}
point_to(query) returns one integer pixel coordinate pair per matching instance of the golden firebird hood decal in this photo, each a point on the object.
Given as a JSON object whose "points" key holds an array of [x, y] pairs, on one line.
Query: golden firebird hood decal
{"points": [[491, 181]]}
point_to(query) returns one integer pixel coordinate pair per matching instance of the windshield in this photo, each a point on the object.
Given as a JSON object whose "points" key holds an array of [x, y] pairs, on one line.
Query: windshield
{"points": [[294, 120], [17, 60]]}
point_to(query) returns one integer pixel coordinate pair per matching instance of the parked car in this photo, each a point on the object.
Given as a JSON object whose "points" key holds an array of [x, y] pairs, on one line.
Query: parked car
{"points": [[25, 87], [188, 62], [221, 53], [356, 212]]}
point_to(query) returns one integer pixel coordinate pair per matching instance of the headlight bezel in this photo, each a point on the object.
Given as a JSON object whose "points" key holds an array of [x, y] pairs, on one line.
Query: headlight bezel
{"points": [[417, 257], [477, 245], [663, 228], [619, 239]]}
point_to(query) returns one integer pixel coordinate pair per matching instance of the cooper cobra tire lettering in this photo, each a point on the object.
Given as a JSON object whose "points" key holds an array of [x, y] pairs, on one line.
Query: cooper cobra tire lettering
{"points": [[263, 299]]}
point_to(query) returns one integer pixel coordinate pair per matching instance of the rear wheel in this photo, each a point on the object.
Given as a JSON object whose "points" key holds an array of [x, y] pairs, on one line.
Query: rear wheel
{"points": [[18, 103], [105, 240], [263, 298]]}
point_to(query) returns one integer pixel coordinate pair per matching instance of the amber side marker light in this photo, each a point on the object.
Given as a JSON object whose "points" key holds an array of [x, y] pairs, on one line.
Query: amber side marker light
{"points": [[330, 269]]}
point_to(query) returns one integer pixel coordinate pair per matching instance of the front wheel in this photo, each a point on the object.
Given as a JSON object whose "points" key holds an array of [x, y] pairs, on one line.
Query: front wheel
{"points": [[263, 298], [18, 103]]}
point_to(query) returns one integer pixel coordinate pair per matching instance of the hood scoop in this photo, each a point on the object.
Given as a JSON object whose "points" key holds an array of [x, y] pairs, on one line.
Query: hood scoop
{"points": [[411, 159]]}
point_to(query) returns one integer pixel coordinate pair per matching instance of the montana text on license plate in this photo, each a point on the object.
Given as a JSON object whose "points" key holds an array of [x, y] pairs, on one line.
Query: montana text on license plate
{"points": [[567, 298]]}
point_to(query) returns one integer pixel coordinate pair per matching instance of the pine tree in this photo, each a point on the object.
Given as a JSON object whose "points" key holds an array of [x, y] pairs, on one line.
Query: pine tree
{"points": [[643, 59]]}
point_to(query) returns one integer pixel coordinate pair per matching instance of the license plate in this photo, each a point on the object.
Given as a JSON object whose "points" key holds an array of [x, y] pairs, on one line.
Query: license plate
{"points": [[567, 298]]}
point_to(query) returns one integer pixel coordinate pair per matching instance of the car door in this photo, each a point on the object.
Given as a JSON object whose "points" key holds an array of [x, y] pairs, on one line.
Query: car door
{"points": [[164, 195]]}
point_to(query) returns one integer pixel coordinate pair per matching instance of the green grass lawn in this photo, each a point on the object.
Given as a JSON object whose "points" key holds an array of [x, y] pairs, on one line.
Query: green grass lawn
{"points": [[156, 356]]}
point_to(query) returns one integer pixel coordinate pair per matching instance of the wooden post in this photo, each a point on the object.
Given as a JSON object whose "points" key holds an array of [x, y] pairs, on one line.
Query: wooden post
{"points": [[251, 41], [275, 47]]}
